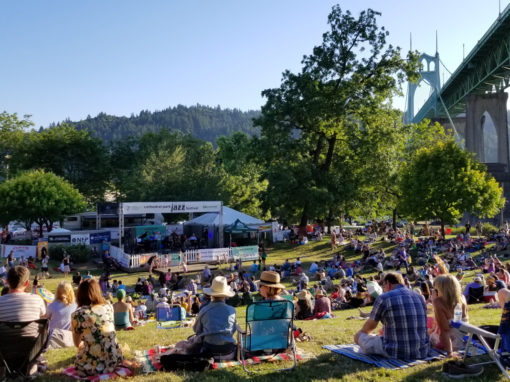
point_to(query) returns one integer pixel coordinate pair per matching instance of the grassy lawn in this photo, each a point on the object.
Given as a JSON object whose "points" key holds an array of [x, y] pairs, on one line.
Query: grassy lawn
{"points": [[323, 366]]}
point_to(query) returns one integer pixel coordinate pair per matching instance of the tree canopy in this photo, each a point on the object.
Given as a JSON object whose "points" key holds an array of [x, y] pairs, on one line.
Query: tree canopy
{"points": [[313, 124], [443, 181], [40, 197]]}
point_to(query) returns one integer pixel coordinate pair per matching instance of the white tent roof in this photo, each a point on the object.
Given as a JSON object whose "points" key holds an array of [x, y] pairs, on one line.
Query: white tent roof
{"points": [[229, 217]]}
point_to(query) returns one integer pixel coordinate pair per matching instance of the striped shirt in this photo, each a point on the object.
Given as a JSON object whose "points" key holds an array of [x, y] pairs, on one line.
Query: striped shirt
{"points": [[403, 314], [22, 307]]}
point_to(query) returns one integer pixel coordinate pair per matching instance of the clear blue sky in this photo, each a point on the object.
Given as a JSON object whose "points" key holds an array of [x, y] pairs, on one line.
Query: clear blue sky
{"points": [[64, 58]]}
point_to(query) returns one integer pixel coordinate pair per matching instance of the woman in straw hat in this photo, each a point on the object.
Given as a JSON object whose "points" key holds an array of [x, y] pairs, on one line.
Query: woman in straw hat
{"points": [[304, 305], [269, 285], [322, 302], [214, 326]]}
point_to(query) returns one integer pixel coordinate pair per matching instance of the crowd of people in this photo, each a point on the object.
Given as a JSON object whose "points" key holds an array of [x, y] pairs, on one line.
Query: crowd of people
{"points": [[415, 291]]}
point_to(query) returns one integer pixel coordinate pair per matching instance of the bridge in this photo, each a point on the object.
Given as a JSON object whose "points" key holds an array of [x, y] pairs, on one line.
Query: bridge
{"points": [[473, 94]]}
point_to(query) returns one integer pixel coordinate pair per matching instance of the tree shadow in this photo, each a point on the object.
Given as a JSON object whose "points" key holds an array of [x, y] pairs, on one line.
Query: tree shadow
{"points": [[325, 366]]}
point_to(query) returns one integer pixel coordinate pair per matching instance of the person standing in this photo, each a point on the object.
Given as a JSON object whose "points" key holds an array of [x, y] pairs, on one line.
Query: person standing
{"points": [[403, 314], [11, 260], [67, 265]]}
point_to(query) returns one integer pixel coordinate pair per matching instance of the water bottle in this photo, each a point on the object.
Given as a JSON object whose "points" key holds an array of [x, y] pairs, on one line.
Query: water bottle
{"points": [[457, 313]]}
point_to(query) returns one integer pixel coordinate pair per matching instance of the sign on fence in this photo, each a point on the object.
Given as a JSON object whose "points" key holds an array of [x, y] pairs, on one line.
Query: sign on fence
{"points": [[59, 239], [246, 253], [19, 250], [99, 237], [82, 238]]}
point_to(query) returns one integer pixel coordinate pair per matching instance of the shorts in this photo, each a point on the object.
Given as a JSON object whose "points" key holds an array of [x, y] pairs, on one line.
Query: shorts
{"points": [[67, 268]]}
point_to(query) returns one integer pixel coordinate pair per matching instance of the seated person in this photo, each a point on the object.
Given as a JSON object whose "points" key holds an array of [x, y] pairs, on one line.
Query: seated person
{"points": [[474, 291], [59, 313], [304, 306], [214, 326], [18, 306], [122, 311], [269, 286], [322, 303], [94, 332], [448, 296], [403, 314]]}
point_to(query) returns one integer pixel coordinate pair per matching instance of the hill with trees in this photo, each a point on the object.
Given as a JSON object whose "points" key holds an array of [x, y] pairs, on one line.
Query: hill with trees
{"points": [[203, 122]]}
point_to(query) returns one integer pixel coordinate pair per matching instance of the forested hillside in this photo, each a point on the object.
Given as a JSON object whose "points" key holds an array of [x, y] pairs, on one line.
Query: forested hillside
{"points": [[201, 122]]}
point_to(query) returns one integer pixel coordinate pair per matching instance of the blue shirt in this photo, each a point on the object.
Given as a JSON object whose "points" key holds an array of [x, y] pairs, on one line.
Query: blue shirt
{"points": [[216, 323], [404, 315], [60, 314], [469, 286]]}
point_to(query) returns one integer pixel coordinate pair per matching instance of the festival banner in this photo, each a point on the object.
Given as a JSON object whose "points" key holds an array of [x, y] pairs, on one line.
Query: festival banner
{"points": [[81, 238], [59, 239], [246, 253], [19, 250], [99, 237], [170, 207]]}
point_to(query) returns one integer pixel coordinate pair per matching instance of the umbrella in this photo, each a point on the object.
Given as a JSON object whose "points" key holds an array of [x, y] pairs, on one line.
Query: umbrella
{"points": [[45, 294]]}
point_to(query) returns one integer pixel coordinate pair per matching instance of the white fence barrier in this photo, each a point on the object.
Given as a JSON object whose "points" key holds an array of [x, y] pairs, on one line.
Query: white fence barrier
{"points": [[205, 255]]}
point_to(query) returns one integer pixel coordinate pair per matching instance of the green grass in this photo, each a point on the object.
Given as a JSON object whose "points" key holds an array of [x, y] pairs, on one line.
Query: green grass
{"points": [[323, 366]]}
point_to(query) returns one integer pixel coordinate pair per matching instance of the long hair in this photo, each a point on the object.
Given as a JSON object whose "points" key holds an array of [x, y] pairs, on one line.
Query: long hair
{"points": [[65, 293], [450, 289], [89, 293]]}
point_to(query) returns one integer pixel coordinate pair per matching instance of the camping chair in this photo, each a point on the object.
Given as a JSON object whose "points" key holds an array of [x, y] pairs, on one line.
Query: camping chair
{"points": [[170, 317], [483, 337], [21, 343], [475, 295], [269, 328]]}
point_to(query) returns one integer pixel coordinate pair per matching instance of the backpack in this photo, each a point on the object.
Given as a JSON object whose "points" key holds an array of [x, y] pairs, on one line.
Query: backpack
{"points": [[171, 362]]}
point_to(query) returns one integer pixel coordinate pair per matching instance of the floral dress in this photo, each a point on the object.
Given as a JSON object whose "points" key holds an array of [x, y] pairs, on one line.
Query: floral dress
{"points": [[99, 352]]}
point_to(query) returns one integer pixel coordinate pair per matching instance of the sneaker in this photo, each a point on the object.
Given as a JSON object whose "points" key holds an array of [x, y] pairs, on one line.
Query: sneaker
{"points": [[460, 370]]}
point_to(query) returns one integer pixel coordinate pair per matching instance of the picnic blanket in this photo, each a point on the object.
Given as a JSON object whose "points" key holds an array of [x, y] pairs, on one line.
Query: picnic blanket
{"points": [[149, 359], [353, 351], [120, 371]]}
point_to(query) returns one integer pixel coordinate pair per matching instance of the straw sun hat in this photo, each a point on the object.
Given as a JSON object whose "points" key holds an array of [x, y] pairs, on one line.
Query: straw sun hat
{"points": [[271, 279], [219, 288], [304, 295]]}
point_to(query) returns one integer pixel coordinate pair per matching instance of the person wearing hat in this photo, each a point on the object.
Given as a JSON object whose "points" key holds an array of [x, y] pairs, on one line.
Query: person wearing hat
{"points": [[269, 285], [322, 302], [214, 326], [472, 289], [122, 311], [304, 305]]}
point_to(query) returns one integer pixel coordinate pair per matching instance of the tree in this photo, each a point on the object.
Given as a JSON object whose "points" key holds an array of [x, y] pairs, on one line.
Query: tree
{"points": [[12, 130], [40, 197], [242, 186], [311, 124], [444, 181], [69, 153]]}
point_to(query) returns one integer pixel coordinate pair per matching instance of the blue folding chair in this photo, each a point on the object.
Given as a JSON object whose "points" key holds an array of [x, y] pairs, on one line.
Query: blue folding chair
{"points": [[269, 329], [170, 317]]}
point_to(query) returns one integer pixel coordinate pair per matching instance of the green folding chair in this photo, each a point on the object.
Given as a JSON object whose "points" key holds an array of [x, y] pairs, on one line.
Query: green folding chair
{"points": [[269, 330]]}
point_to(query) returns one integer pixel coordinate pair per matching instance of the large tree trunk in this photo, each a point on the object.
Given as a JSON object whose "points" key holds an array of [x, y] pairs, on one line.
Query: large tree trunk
{"points": [[329, 156], [394, 224], [304, 220], [442, 229]]}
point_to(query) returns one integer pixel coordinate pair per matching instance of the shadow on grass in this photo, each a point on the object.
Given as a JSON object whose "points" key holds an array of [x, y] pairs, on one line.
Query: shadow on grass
{"points": [[323, 367], [434, 373]]}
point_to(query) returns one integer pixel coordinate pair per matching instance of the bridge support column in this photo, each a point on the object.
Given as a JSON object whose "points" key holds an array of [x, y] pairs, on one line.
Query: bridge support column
{"points": [[495, 105]]}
